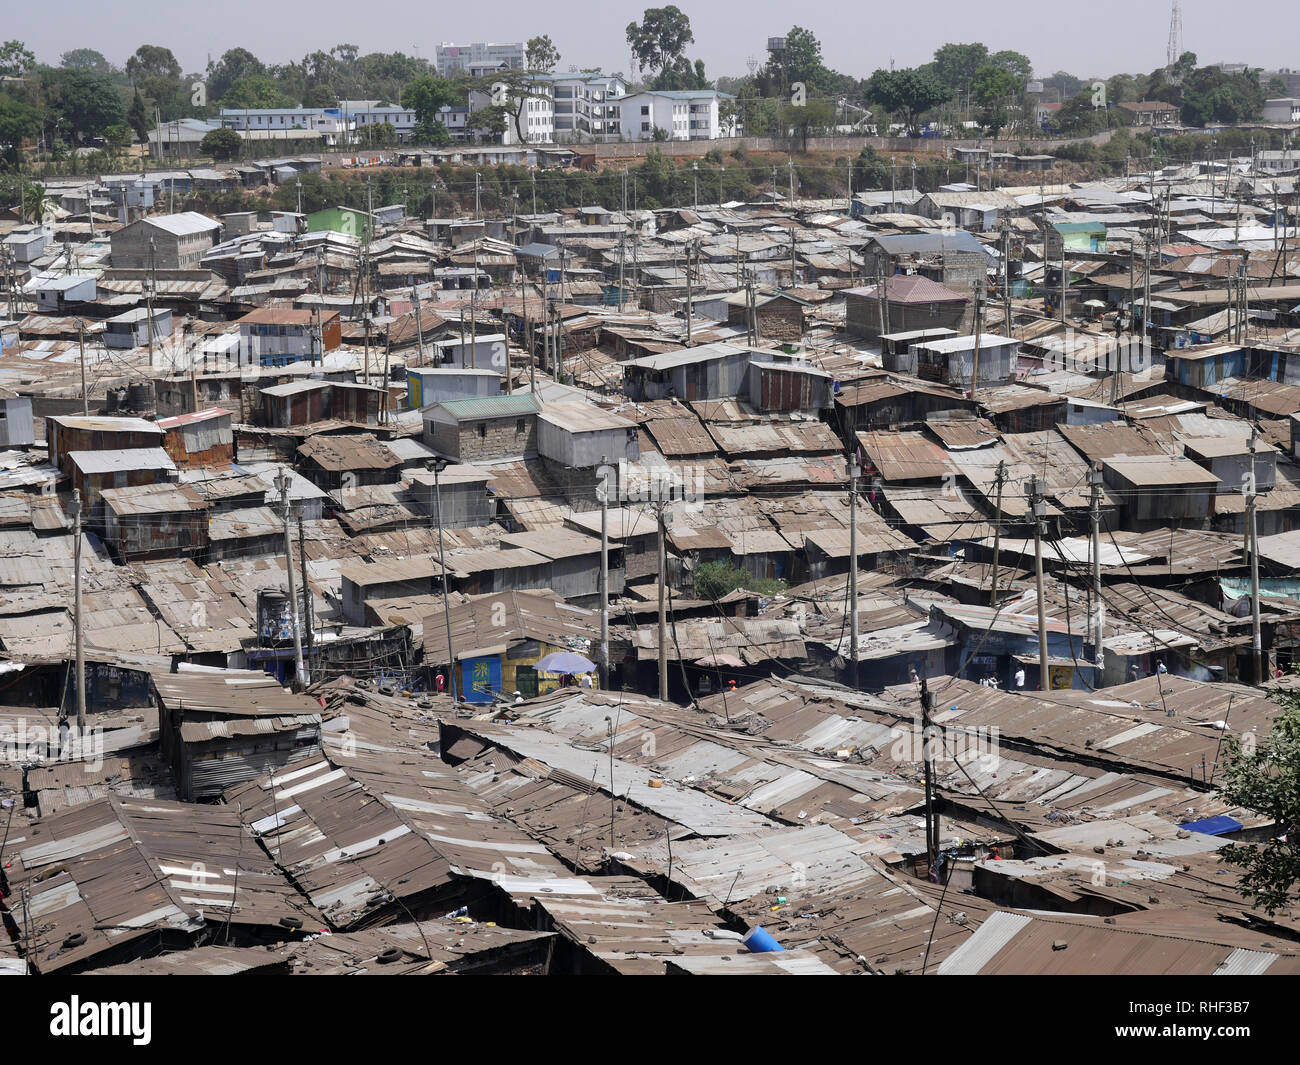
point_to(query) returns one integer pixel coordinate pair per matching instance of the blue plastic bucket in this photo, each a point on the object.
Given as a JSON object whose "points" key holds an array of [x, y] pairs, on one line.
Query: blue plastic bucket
{"points": [[759, 942]]}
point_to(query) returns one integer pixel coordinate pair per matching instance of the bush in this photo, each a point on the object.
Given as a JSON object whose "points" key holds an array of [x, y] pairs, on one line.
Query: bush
{"points": [[713, 580]]}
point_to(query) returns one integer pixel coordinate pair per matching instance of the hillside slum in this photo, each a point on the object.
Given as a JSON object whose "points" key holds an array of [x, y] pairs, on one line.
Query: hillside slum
{"points": [[293, 519]]}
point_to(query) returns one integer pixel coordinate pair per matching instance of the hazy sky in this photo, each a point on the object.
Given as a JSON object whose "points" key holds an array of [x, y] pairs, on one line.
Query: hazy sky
{"points": [[1095, 37]]}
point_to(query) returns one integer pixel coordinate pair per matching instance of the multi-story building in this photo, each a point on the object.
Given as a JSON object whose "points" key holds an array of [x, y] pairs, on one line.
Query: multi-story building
{"points": [[333, 125], [536, 121], [586, 106], [364, 115], [478, 59], [690, 114]]}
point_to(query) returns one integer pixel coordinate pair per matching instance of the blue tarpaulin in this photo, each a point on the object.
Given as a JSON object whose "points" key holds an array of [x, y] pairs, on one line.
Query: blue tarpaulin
{"points": [[1214, 826]]}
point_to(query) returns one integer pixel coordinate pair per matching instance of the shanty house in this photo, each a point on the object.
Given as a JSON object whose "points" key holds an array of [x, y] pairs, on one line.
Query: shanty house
{"points": [[911, 302], [224, 727], [157, 521], [204, 438], [583, 436], [491, 429], [164, 242]]}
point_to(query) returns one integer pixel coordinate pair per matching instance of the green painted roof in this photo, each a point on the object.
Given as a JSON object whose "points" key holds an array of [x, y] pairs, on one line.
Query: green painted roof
{"points": [[490, 407]]}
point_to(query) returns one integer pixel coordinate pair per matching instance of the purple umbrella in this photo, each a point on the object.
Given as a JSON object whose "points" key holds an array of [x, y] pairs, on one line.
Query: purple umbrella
{"points": [[565, 662]]}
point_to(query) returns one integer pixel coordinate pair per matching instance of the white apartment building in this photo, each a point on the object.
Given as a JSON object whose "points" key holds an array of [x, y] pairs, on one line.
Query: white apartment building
{"points": [[1285, 109], [537, 120], [330, 122], [367, 113], [586, 106], [478, 59], [684, 115]]}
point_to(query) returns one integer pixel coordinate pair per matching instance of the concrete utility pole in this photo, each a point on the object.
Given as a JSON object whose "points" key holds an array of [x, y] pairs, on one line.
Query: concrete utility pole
{"points": [[853, 571], [604, 578], [300, 673], [1252, 545], [419, 330], [442, 565], [1098, 611], [76, 595], [1039, 509], [999, 480]]}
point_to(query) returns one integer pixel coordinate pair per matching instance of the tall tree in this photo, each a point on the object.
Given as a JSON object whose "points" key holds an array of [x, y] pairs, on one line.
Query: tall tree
{"points": [[157, 74], [426, 96], [660, 39], [955, 65], [85, 104], [16, 59], [907, 93], [18, 122], [541, 54], [137, 117], [86, 59], [993, 91], [234, 64]]}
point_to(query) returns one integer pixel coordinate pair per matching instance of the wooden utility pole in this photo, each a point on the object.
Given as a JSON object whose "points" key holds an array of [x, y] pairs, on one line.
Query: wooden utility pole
{"points": [[1252, 545], [81, 345], [999, 479], [77, 607], [604, 577], [1098, 613], [300, 673], [690, 294], [979, 330], [1039, 512], [663, 614], [853, 571], [442, 565]]}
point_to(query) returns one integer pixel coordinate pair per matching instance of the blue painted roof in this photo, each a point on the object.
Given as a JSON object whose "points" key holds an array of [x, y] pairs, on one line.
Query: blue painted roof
{"points": [[1214, 826]]}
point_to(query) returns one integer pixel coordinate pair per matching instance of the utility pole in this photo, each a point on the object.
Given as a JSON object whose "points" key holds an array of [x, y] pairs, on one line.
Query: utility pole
{"points": [[300, 673], [663, 614], [999, 479], [1039, 513], [927, 756], [81, 345], [1007, 324], [690, 304], [604, 578], [1252, 544], [853, 571], [442, 565], [478, 211], [419, 330], [151, 284], [302, 572], [1098, 613], [979, 330], [1065, 281], [76, 594], [791, 166]]}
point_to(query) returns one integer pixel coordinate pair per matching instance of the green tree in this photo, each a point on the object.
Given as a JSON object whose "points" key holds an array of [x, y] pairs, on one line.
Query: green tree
{"points": [[221, 144], [1016, 64], [234, 65], [660, 39], [18, 122], [255, 91], [118, 137], [954, 65], [85, 104], [993, 90], [16, 59], [426, 96], [138, 118], [157, 74], [1265, 777], [541, 54], [87, 59], [908, 93]]}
